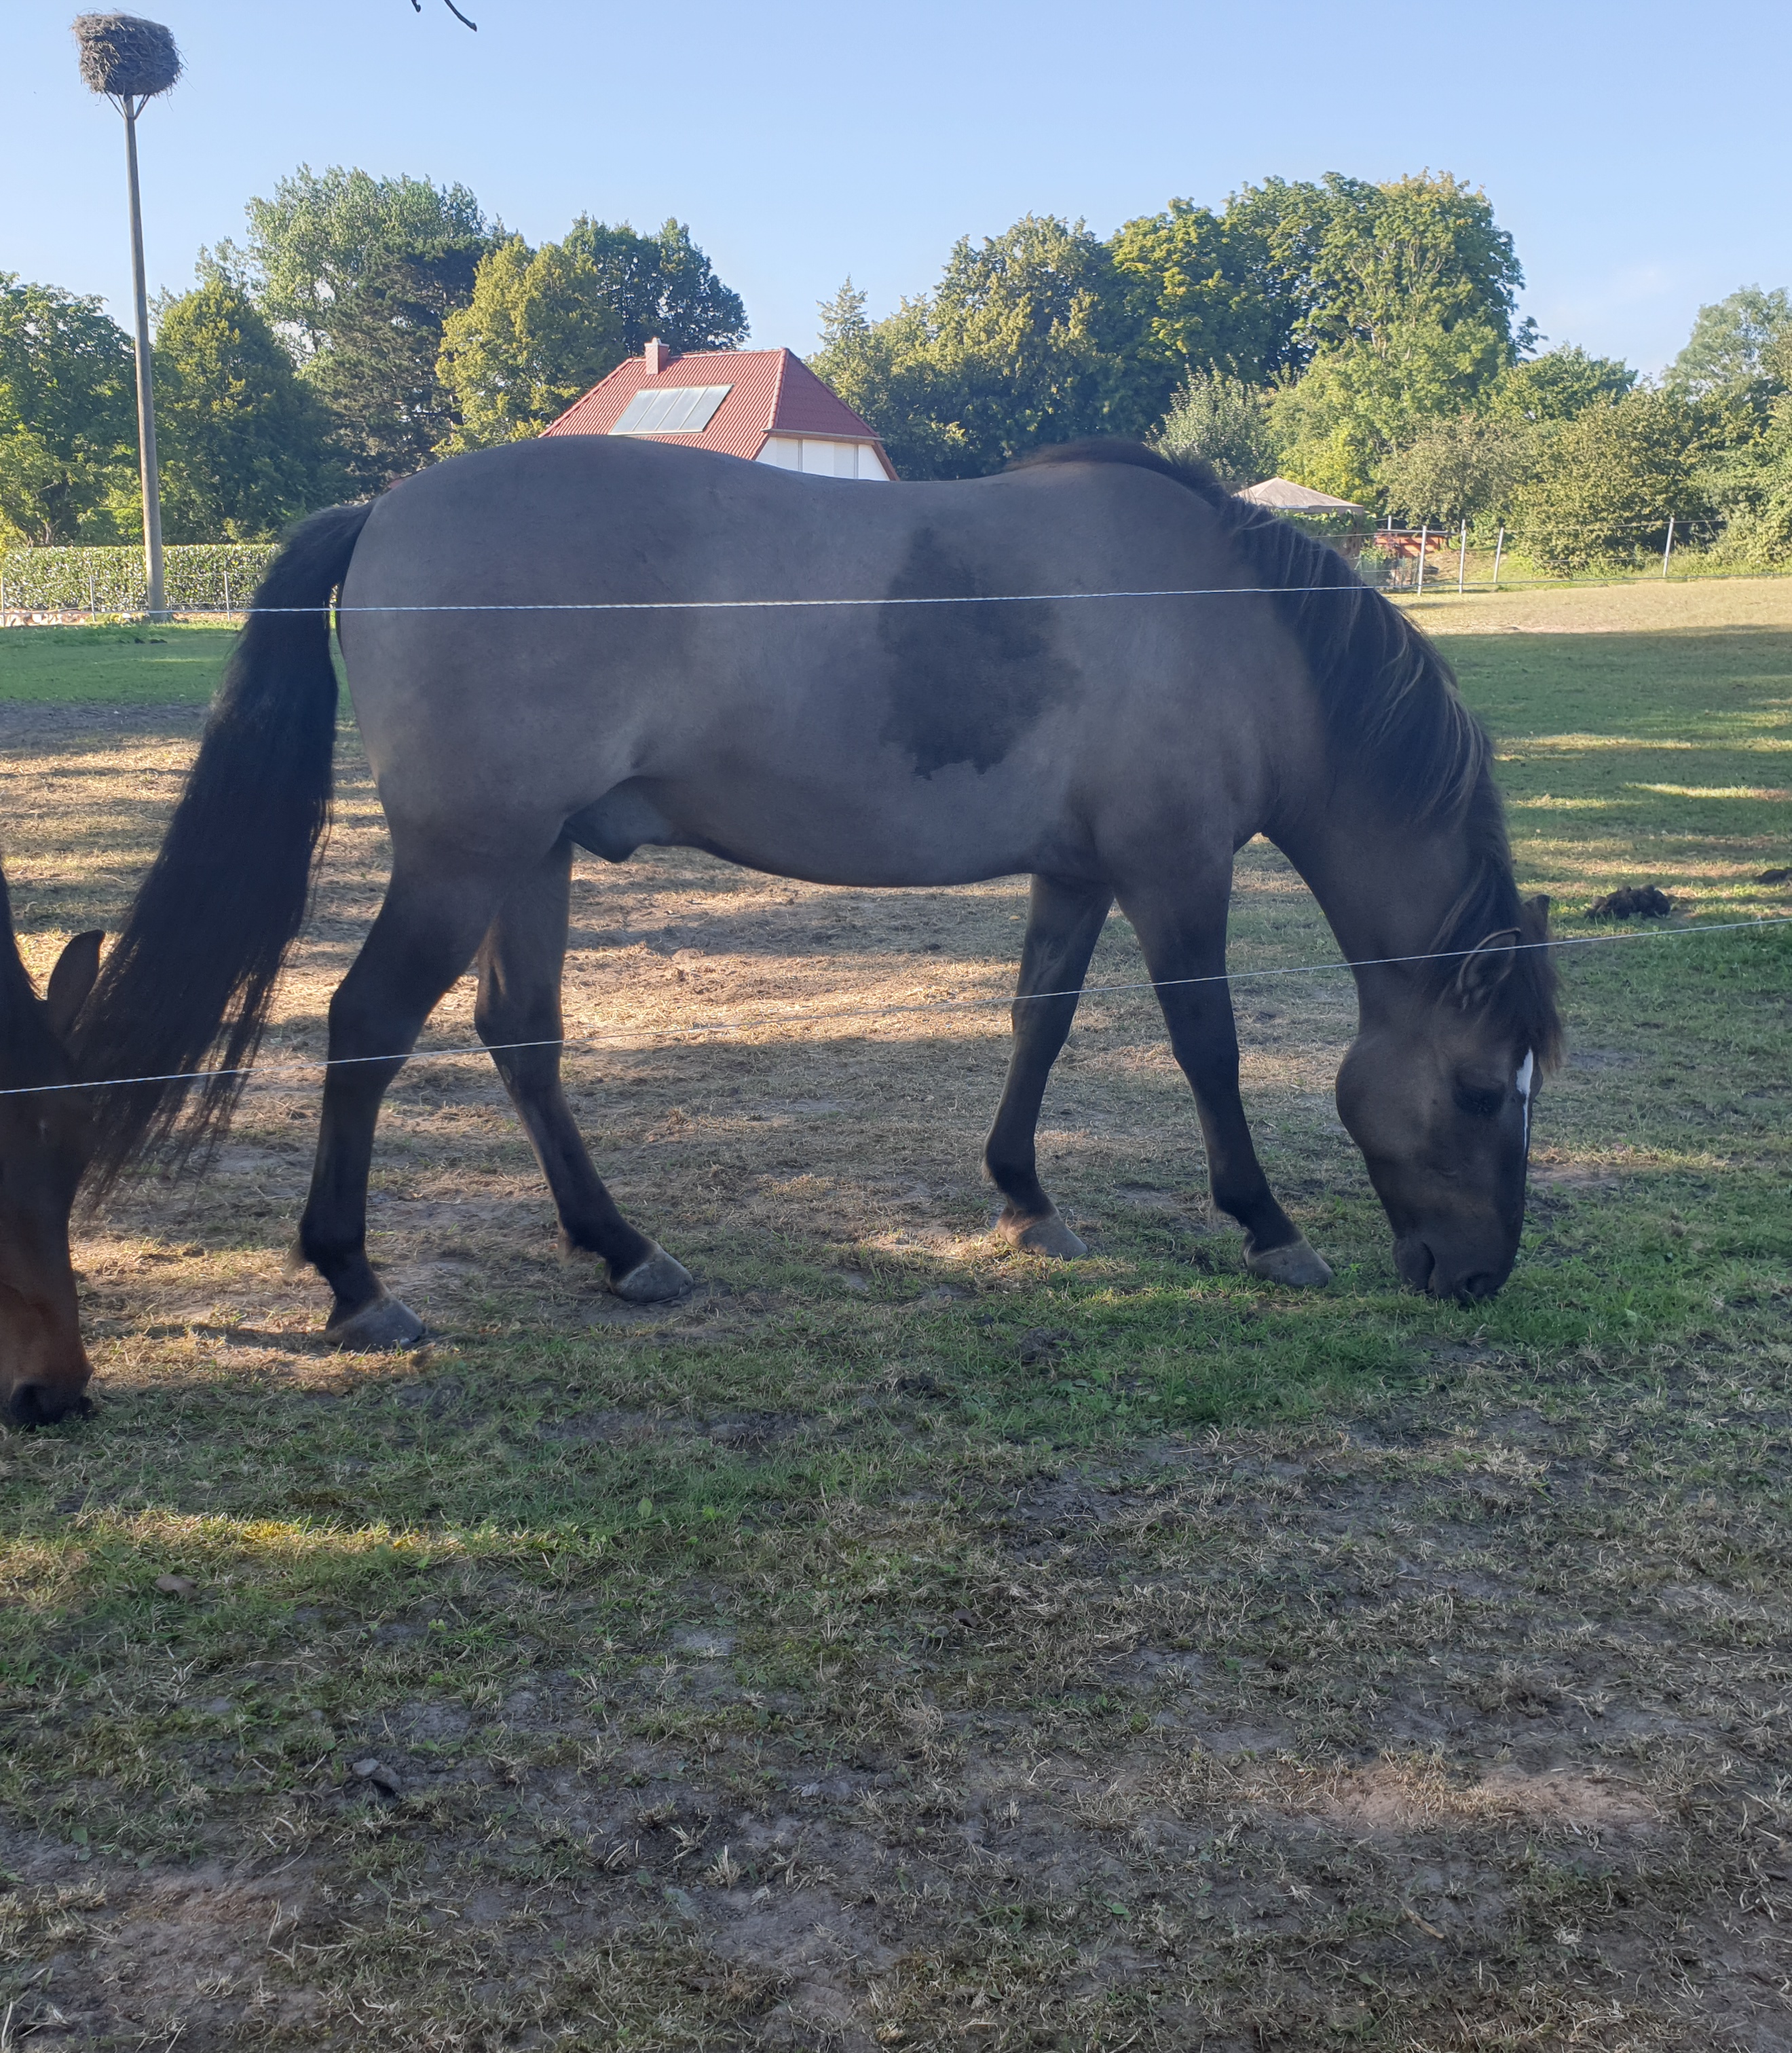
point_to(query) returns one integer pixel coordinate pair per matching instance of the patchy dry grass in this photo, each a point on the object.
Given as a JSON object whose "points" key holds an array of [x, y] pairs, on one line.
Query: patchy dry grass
{"points": [[903, 1643]]}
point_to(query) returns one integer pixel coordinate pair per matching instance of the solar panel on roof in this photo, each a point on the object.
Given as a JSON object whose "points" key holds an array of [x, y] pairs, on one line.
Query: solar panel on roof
{"points": [[684, 410]]}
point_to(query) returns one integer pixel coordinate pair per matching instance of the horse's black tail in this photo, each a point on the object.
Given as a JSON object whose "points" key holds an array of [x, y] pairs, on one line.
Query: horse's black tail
{"points": [[192, 974]]}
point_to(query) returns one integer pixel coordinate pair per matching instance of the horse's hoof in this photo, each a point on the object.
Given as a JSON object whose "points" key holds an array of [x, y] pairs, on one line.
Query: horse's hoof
{"points": [[385, 1324], [1049, 1236], [654, 1281], [1295, 1266]]}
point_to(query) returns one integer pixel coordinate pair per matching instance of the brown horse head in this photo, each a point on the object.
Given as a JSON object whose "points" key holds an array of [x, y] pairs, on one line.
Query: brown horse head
{"points": [[44, 1148], [1438, 1094]]}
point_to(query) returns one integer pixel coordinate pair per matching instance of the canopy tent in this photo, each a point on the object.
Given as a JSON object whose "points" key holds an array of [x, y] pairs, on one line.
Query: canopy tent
{"points": [[1288, 497]]}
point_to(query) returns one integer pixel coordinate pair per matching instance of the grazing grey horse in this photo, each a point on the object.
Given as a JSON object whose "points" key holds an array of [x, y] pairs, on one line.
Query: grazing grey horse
{"points": [[1097, 669]]}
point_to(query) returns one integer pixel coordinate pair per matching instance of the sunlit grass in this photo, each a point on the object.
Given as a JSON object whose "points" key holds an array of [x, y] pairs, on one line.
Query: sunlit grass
{"points": [[1065, 1652]]}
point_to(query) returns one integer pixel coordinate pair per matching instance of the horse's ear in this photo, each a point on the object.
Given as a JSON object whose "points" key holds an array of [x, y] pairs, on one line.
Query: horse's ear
{"points": [[1487, 966], [1534, 912], [71, 980]]}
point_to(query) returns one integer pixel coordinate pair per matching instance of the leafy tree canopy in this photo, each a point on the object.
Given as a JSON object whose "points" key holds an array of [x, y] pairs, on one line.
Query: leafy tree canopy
{"points": [[545, 325], [1225, 423], [1022, 342], [541, 329], [1559, 385], [659, 285], [242, 441], [1199, 292], [1734, 351], [358, 275], [1359, 402], [1460, 469], [1403, 292], [1606, 483], [1367, 264], [68, 414]]}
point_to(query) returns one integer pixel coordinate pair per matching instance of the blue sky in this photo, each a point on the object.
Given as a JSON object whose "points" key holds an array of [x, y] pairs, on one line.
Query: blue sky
{"points": [[1636, 153]]}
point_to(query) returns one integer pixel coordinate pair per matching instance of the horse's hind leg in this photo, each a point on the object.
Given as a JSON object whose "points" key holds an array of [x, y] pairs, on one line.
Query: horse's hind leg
{"points": [[424, 938], [521, 962], [1063, 924], [1184, 942]]}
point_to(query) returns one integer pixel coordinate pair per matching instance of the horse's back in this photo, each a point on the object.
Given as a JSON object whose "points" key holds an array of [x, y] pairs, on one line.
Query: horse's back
{"points": [[810, 675]]}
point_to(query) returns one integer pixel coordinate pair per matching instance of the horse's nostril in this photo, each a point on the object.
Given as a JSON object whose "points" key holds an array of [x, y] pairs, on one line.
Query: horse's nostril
{"points": [[1415, 1262], [39, 1404], [1472, 1288]]}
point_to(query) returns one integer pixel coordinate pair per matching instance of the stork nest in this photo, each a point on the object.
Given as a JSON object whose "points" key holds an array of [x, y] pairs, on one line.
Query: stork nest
{"points": [[125, 56]]}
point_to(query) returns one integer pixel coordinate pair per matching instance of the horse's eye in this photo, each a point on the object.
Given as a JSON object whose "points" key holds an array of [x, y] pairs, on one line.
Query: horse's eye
{"points": [[1479, 1102]]}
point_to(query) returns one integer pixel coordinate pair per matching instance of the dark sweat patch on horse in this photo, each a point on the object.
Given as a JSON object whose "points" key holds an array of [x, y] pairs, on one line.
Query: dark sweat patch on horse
{"points": [[967, 681]]}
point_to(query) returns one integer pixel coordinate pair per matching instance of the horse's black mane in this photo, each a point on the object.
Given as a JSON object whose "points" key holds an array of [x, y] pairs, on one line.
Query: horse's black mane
{"points": [[1391, 701]]}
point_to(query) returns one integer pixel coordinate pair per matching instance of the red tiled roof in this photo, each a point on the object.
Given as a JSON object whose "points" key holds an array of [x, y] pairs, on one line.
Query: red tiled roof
{"points": [[774, 392]]}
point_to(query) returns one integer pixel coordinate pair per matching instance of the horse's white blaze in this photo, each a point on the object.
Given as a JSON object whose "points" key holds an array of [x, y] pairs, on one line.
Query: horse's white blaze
{"points": [[1526, 1069]]}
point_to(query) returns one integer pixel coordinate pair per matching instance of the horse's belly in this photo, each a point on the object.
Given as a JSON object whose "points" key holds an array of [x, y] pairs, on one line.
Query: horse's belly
{"points": [[880, 832]]}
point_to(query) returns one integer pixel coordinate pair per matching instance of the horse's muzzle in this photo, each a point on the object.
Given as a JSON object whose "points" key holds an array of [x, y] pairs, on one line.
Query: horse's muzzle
{"points": [[44, 1404], [1466, 1281]]}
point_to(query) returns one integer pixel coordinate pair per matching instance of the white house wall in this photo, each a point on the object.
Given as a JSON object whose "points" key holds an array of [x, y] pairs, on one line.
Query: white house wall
{"points": [[823, 458]]}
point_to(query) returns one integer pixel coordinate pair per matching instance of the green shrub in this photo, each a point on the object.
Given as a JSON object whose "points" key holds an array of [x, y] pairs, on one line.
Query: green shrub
{"points": [[199, 577]]}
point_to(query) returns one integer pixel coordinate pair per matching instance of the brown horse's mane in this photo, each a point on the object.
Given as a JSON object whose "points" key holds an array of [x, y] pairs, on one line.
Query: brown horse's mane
{"points": [[1391, 704]]}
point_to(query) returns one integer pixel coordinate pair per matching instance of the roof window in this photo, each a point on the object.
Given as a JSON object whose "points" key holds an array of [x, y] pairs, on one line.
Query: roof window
{"points": [[682, 409]]}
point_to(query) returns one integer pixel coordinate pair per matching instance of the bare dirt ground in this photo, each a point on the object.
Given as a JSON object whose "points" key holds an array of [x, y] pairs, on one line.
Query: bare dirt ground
{"points": [[977, 1656]]}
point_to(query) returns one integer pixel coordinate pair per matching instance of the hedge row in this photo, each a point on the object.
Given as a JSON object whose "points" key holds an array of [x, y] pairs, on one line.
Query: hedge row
{"points": [[198, 577]]}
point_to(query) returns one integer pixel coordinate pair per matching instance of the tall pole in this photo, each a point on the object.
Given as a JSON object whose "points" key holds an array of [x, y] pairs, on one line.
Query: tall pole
{"points": [[147, 466]]}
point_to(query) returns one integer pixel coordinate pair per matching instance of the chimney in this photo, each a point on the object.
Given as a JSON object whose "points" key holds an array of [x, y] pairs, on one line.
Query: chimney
{"points": [[657, 355]]}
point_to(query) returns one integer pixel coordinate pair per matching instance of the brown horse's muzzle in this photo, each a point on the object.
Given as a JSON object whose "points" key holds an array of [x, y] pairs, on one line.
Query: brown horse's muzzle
{"points": [[44, 1368]]}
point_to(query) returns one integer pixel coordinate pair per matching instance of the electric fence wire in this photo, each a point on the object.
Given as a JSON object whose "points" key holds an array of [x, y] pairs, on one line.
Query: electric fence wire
{"points": [[762, 1022]]}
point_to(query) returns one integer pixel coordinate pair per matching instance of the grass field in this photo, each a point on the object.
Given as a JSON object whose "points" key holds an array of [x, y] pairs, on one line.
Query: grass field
{"points": [[903, 1643]]}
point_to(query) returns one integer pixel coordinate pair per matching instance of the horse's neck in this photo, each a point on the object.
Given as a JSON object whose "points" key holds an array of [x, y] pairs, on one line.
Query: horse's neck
{"points": [[1385, 888]]}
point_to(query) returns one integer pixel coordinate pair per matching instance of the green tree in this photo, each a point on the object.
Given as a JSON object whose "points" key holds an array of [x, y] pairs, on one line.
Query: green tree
{"points": [[1400, 300], [1363, 263], [68, 415], [1730, 355], [1469, 468], [1558, 385], [358, 274], [1606, 482], [1360, 403], [242, 441], [1225, 423], [1022, 343], [660, 285], [540, 329], [1199, 293], [545, 325], [1399, 296], [1749, 479]]}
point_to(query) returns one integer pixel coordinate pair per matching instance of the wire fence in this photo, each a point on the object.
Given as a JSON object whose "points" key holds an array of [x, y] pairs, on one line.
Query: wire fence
{"points": [[830, 1015], [74, 587]]}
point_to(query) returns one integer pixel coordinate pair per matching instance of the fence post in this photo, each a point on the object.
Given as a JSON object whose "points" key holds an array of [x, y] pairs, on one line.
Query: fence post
{"points": [[1462, 561], [1499, 551], [1424, 536], [1667, 552], [227, 614]]}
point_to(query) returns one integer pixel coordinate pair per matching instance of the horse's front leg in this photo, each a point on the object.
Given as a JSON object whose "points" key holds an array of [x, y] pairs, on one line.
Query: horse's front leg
{"points": [[1182, 933], [423, 939], [1063, 924], [518, 1014]]}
